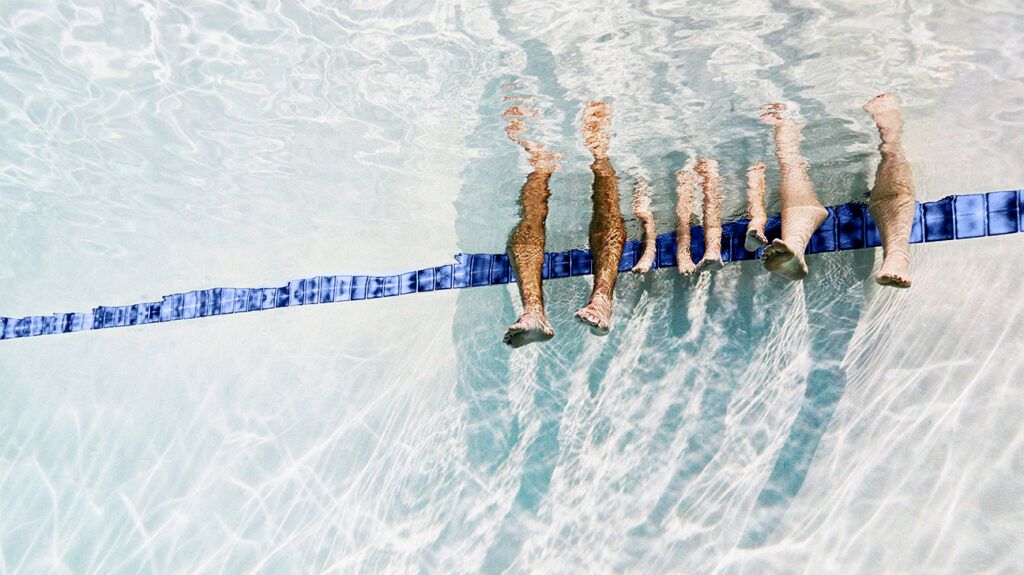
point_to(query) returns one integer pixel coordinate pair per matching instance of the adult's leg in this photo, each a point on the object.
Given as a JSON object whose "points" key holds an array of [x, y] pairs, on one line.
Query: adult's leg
{"points": [[708, 170], [642, 211], [758, 216], [802, 213], [607, 230], [892, 198], [686, 187], [526, 243]]}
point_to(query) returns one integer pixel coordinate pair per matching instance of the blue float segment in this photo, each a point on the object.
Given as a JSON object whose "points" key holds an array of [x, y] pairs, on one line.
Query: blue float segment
{"points": [[311, 291], [559, 265], [971, 213], [242, 299], [872, 239], [461, 271], [425, 280], [375, 287], [849, 226], [696, 244], [342, 288], [501, 271], [358, 288], [443, 277], [327, 289], [295, 288], [726, 244], [268, 298], [917, 231], [665, 250], [939, 221], [580, 263], [1003, 213], [255, 302], [630, 255], [407, 283], [480, 270]]}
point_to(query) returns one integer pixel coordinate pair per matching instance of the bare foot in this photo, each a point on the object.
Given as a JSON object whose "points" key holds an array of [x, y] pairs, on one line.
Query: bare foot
{"points": [[755, 239], [597, 116], [710, 263], [532, 326], [782, 260], [894, 271], [643, 265], [597, 314], [891, 279]]}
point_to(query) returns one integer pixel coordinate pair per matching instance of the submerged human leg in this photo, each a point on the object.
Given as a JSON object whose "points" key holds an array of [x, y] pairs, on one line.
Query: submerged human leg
{"points": [[708, 170], [526, 243], [802, 213], [607, 230], [607, 239], [686, 187], [891, 203], [642, 211], [755, 208]]}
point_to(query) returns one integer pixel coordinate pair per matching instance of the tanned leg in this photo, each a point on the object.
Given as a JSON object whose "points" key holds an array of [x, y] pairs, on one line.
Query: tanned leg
{"points": [[642, 211], [802, 213], [708, 170], [686, 187], [607, 230], [892, 199], [526, 243], [758, 216]]}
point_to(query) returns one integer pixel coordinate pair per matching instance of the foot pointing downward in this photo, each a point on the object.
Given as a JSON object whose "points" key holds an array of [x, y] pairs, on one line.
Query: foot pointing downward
{"points": [[532, 326], [780, 259], [597, 314]]}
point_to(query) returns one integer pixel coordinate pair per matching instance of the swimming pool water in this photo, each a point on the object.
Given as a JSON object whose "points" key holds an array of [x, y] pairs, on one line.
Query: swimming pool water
{"points": [[730, 423]]}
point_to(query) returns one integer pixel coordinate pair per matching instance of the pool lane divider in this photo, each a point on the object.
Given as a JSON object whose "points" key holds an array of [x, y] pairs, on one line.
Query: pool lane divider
{"points": [[848, 227]]}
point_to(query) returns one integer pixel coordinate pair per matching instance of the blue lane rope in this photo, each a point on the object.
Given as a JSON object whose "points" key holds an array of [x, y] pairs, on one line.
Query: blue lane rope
{"points": [[848, 227]]}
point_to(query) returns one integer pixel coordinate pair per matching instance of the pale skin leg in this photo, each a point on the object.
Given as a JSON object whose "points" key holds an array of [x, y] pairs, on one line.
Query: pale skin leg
{"points": [[891, 204], [642, 211], [708, 170], [802, 213], [686, 188], [607, 230], [526, 243], [758, 216]]}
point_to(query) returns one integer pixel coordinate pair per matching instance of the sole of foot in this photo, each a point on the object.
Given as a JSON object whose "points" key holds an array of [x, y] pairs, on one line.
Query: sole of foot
{"points": [[530, 328], [754, 241], [781, 260], [593, 319]]}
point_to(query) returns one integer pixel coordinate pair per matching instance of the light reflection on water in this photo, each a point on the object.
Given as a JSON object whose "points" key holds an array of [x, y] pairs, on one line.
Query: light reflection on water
{"points": [[729, 423]]}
